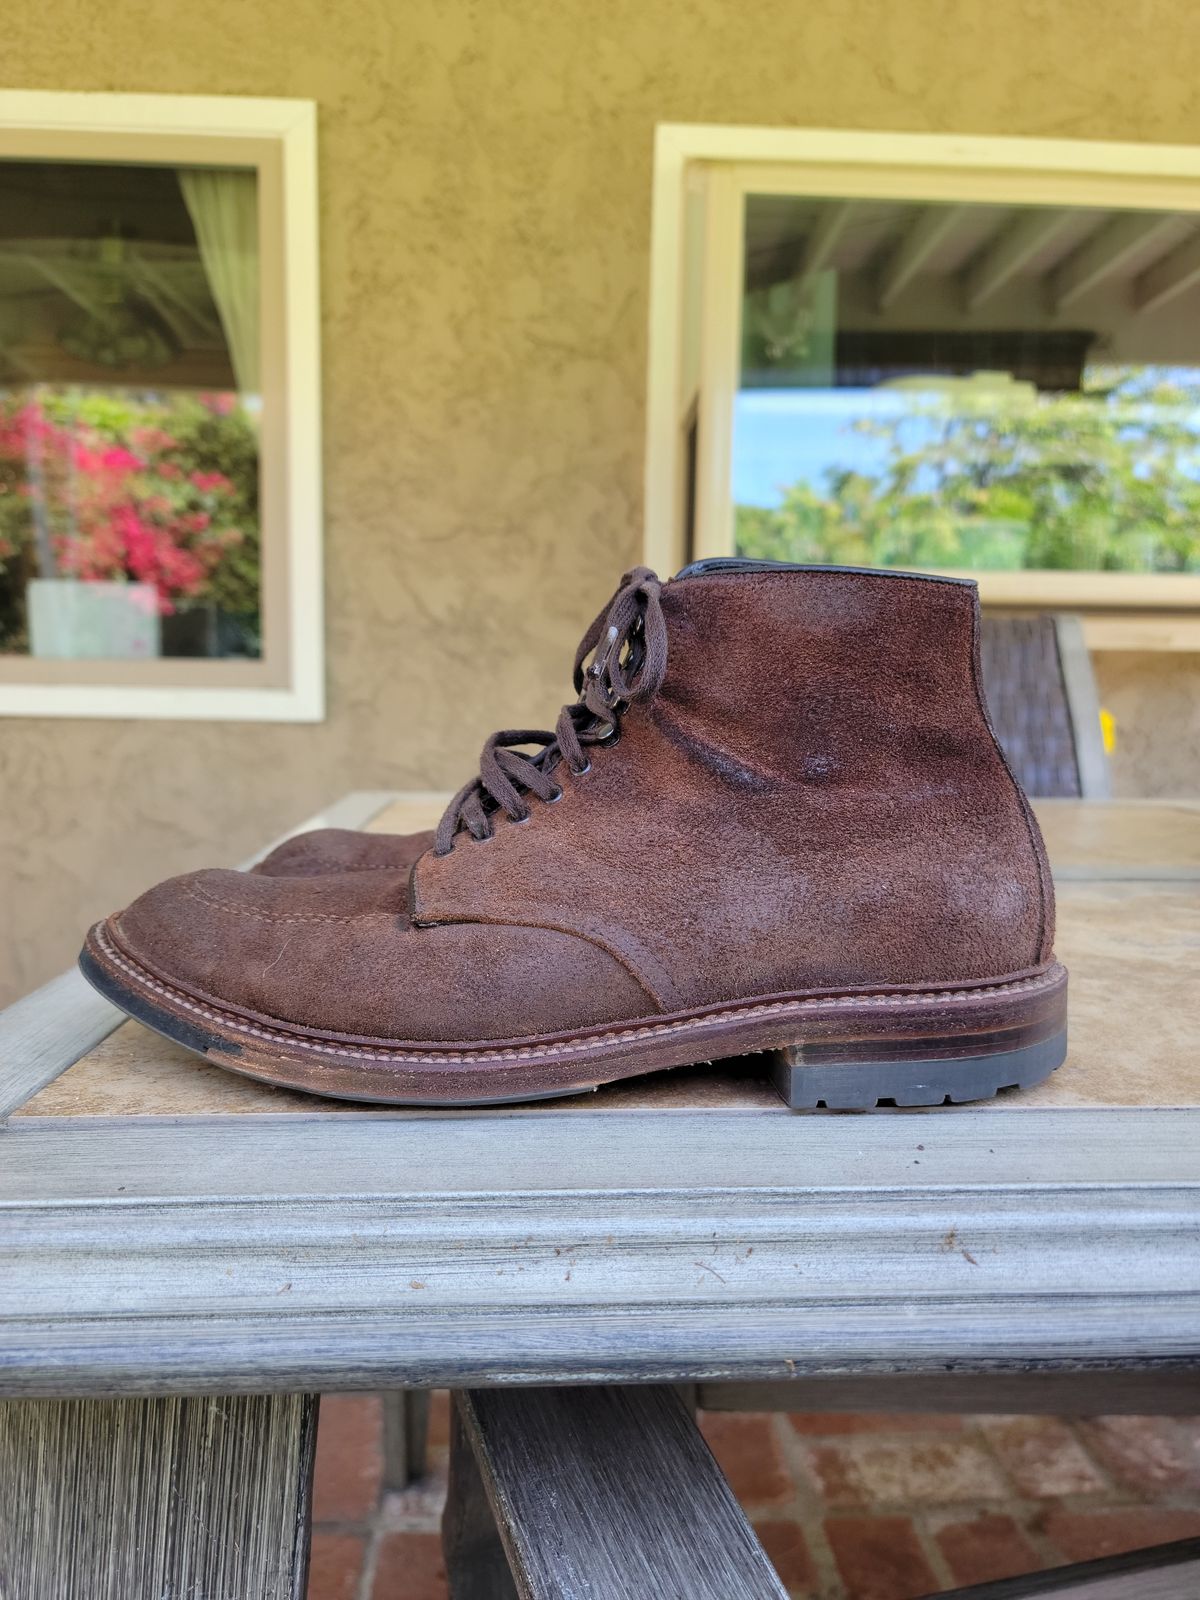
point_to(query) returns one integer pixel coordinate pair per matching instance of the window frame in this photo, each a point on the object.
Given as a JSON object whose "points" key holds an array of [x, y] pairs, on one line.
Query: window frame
{"points": [[697, 376], [277, 139]]}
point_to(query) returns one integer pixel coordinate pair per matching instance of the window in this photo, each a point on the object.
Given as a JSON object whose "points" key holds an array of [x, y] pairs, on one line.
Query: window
{"points": [[159, 408], [957, 355]]}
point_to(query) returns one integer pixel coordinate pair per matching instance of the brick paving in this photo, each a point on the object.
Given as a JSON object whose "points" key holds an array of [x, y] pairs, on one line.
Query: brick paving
{"points": [[849, 1507]]}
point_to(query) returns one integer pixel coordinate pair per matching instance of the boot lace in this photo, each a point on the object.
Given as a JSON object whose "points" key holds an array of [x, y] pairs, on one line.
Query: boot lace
{"points": [[629, 641]]}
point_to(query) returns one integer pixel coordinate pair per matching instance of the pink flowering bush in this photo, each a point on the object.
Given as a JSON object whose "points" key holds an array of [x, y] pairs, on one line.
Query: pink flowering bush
{"points": [[111, 488]]}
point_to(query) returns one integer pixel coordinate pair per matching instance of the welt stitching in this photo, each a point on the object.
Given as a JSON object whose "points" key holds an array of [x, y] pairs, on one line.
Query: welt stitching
{"points": [[572, 1047]]}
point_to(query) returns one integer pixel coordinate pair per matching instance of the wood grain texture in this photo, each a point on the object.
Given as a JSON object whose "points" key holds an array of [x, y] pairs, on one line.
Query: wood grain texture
{"points": [[631, 1345], [43, 1034], [470, 1157], [479, 1248], [163, 1499], [1166, 1572], [476, 1561], [608, 1494]]}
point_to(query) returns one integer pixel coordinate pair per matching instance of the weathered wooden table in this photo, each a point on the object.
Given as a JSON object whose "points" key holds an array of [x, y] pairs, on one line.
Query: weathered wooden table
{"points": [[168, 1230]]}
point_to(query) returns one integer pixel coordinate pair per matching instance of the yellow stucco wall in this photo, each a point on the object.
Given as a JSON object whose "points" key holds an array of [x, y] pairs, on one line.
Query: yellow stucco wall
{"points": [[485, 209]]}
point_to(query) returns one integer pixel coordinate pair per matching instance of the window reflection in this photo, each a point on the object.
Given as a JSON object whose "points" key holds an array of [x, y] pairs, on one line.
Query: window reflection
{"points": [[129, 412], [975, 387]]}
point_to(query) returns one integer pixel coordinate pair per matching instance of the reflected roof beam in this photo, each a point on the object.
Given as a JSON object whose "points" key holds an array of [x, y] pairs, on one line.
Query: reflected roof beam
{"points": [[824, 239], [1009, 252], [1177, 271], [186, 319], [1106, 253], [72, 287], [932, 226]]}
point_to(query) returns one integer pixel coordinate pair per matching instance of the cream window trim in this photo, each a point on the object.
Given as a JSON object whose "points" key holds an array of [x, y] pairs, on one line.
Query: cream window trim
{"points": [[278, 140], [718, 167]]}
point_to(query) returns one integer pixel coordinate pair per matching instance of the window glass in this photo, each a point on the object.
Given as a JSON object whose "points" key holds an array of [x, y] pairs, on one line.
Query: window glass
{"points": [[129, 411], [970, 387]]}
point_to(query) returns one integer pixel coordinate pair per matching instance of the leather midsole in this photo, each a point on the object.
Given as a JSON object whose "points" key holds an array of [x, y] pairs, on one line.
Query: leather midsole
{"points": [[986, 1012]]}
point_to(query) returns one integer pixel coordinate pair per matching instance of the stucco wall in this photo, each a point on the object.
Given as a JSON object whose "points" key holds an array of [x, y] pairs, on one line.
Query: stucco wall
{"points": [[485, 174]]}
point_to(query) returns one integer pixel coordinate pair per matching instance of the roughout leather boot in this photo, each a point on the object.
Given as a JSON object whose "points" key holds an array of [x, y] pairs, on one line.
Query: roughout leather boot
{"points": [[776, 817]]}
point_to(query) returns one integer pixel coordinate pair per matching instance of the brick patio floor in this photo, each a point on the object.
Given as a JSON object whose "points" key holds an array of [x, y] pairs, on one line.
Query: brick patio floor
{"points": [[849, 1507]]}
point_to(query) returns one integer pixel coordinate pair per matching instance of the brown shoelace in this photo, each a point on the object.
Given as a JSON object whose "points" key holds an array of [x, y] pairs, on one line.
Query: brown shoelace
{"points": [[629, 639]]}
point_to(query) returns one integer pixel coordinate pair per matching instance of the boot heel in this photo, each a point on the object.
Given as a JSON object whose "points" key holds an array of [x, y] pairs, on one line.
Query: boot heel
{"points": [[863, 1085], [890, 1058]]}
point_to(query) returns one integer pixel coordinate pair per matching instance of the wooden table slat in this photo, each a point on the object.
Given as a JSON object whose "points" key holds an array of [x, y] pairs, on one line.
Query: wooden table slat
{"points": [[603, 1493]]}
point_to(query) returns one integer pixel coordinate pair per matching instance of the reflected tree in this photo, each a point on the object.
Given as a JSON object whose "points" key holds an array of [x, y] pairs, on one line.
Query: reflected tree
{"points": [[983, 478]]}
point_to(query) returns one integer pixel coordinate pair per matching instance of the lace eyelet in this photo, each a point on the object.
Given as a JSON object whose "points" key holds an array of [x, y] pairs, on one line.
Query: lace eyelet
{"points": [[519, 822], [482, 838], [581, 772], [553, 799]]}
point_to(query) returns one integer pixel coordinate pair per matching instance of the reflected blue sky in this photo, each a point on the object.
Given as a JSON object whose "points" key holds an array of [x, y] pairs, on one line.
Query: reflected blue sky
{"points": [[786, 436]]}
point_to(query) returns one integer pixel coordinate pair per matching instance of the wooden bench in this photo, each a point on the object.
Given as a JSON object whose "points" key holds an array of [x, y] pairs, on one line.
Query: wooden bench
{"points": [[600, 1492], [611, 1494], [188, 1257]]}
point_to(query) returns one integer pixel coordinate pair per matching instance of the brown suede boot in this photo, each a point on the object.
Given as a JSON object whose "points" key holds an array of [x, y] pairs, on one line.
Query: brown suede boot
{"points": [[777, 816]]}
